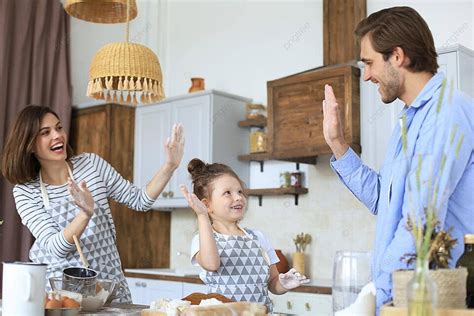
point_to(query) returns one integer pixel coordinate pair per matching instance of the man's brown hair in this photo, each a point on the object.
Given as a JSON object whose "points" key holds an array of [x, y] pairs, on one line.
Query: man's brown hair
{"points": [[19, 164], [401, 27]]}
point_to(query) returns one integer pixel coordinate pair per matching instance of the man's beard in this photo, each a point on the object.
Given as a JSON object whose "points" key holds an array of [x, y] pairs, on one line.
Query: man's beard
{"points": [[391, 87]]}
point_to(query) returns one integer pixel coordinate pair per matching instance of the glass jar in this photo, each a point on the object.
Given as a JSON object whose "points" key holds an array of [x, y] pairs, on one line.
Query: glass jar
{"points": [[351, 272], [258, 141], [421, 291], [256, 111], [297, 179]]}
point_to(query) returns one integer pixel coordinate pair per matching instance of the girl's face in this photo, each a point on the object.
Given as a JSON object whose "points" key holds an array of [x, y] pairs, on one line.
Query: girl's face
{"points": [[227, 202], [51, 141]]}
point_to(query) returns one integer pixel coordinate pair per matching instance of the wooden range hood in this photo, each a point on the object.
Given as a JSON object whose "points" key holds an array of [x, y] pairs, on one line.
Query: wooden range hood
{"points": [[295, 129]]}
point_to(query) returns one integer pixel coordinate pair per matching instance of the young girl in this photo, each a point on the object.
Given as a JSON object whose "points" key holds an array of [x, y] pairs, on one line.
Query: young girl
{"points": [[59, 195], [237, 263]]}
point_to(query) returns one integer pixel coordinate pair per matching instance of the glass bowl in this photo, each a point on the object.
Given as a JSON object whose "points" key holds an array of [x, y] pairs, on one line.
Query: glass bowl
{"points": [[104, 290]]}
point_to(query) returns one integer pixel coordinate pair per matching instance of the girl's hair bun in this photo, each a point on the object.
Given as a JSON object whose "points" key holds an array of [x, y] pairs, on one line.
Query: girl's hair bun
{"points": [[196, 167]]}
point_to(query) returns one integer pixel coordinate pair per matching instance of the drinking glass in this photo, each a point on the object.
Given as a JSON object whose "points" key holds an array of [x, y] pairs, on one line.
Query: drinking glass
{"points": [[352, 271]]}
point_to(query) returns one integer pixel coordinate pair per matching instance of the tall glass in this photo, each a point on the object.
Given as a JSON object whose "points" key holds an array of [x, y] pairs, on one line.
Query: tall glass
{"points": [[352, 271]]}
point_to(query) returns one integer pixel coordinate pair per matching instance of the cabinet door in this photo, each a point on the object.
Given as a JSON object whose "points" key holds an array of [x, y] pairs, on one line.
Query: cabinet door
{"points": [[189, 288], [137, 290], [302, 304], [152, 127], [448, 63], [193, 113], [158, 289]]}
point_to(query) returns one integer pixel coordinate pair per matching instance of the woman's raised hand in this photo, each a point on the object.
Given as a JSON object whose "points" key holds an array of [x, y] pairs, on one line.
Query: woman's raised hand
{"points": [[193, 201], [174, 146], [81, 196]]}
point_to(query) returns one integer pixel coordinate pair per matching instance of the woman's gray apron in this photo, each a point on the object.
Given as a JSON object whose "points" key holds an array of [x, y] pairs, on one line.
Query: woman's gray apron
{"points": [[98, 244], [244, 271]]}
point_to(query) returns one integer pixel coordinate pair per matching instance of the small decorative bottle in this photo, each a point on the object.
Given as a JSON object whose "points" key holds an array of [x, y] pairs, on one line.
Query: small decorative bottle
{"points": [[422, 291], [467, 261]]}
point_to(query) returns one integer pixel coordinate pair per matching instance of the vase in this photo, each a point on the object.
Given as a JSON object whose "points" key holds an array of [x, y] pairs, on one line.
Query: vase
{"points": [[282, 265], [197, 84], [298, 262], [421, 292], [450, 285]]}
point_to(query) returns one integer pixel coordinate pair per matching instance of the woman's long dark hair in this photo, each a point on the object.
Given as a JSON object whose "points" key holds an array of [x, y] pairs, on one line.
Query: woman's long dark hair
{"points": [[19, 164]]}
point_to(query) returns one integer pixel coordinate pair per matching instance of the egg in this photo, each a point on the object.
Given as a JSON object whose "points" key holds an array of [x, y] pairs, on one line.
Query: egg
{"points": [[69, 302], [54, 303]]}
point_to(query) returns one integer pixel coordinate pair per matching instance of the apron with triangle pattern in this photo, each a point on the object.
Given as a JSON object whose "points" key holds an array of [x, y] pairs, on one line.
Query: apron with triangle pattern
{"points": [[244, 271], [98, 244]]}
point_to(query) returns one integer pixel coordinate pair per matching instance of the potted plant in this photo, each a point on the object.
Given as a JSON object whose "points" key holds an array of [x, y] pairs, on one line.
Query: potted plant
{"points": [[420, 289]]}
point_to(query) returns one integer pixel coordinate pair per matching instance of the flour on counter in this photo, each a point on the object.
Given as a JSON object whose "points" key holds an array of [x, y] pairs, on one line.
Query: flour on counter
{"points": [[364, 305]]}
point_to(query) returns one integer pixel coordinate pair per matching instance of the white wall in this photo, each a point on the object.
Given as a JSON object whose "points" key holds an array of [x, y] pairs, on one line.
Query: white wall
{"points": [[237, 46]]}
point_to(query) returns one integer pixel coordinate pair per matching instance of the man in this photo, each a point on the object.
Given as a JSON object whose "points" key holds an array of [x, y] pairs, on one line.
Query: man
{"points": [[398, 51]]}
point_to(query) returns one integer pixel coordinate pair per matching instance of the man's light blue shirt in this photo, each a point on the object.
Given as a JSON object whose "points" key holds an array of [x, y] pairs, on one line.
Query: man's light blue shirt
{"points": [[387, 193]]}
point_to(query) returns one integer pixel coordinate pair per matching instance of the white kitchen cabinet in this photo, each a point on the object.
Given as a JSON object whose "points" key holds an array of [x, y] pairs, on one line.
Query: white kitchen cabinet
{"points": [[189, 288], [302, 304], [210, 121], [378, 119], [144, 291]]}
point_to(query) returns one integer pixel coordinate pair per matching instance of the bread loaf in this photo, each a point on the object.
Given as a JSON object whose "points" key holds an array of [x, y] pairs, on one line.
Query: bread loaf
{"points": [[228, 309]]}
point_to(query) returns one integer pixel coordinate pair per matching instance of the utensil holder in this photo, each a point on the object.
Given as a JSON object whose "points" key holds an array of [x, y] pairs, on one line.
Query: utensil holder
{"points": [[299, 262]]}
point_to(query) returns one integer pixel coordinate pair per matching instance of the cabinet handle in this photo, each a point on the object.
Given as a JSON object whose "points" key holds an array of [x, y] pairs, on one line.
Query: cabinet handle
{"points": [[170, 194], [289, 305], [138, 284], [165, 194], [143, 284], [308, 307]]}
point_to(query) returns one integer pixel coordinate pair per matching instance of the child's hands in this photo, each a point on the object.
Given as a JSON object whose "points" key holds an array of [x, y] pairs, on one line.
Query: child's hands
{"points": [[193, 201], [292, 279], [81, 196]]}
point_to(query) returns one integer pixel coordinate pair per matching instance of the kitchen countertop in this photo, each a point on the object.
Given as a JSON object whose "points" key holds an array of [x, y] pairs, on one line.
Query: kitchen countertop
{"points": [[119, 309], [316, 286]]}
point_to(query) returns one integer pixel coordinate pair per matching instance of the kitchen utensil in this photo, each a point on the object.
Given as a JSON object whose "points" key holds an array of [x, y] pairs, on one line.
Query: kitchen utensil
{"points": [[80, 280], [23, 288], [81, 254], [352, 271]]}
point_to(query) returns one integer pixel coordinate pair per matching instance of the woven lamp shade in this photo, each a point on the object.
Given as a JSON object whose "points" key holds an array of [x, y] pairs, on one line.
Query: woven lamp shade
{"points": [[125, 72], [101, 11]]}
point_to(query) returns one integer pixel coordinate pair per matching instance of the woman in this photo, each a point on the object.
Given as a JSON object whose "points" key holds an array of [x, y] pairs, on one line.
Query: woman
{"points": [[59, 195]]}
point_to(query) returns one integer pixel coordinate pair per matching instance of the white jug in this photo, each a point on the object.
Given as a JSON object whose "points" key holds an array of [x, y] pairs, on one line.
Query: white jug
{"points": [[23, 288]]}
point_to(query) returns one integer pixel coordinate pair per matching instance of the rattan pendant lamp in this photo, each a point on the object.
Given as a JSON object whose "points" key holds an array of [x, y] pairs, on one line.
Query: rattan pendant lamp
{"points": [[125, 72], [101, 11]]}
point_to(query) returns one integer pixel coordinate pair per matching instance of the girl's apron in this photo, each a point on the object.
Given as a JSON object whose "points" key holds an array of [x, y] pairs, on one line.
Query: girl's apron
{"points": [[98, 243], [244, 271]]}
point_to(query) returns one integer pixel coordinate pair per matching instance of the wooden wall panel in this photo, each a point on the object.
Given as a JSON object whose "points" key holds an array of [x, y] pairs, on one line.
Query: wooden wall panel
{"points": [[143, 239], [340, 17]]}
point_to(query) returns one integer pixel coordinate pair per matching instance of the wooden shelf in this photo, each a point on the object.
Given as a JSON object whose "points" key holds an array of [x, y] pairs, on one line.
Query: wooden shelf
{"points": [[261, 157], [255, 157], [253, 123], [276, 191]]}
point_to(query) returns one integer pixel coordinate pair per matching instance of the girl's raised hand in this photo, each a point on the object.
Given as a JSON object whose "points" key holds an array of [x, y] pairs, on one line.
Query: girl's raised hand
{"points": [[292, 279], [81, 196], [174, 146], [193, 201]]}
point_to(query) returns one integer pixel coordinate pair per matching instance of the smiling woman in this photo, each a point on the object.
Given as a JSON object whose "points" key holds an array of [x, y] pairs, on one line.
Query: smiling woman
{"points": [[59, 195]]}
